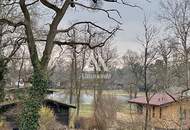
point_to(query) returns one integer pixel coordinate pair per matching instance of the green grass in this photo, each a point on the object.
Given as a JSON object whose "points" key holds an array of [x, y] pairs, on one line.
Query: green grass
{"points": [[86, 110], [91, 91]]}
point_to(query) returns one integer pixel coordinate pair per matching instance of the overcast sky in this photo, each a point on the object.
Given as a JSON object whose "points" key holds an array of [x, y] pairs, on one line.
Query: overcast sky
{"points": [[133, 27], [132, 19]]}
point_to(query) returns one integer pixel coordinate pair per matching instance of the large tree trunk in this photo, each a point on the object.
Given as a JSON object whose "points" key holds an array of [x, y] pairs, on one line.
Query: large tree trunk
{"points": [[2, 70], [71, 82], [76, 84], [32, 104], [187, 70], [146, 89], [98, 103], [2, 82], [166, 74]]}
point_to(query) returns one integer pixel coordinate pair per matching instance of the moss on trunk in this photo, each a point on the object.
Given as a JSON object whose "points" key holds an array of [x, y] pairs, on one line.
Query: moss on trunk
{"points": [[29, 116]]}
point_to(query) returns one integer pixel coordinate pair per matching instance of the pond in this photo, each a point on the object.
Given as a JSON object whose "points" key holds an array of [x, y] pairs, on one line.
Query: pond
{"points": [[85, 98]]}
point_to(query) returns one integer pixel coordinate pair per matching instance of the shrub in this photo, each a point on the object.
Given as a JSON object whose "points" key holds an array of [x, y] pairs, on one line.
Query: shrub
{"points": [[3, 125], [105, 110], [47, 118]]}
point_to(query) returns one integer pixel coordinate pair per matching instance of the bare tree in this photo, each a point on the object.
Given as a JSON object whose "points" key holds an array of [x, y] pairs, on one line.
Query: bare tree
{"points": [[177, 16], [40, 64], [164, 66], [7, 42], [132, 61], [149, 55]]}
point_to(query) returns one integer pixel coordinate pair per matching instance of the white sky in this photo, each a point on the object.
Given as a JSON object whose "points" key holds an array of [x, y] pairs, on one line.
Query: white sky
{"points": [[132, 19]]}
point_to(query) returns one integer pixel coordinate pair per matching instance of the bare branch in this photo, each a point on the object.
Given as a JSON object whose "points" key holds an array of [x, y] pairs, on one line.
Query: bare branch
{"points": [[79, 23], [16, 46], [103, 10], [32, 3], [49, 5], [10, 23], [9, 4], [131, 5], [52, 33], [72, 43], [29, 34]]}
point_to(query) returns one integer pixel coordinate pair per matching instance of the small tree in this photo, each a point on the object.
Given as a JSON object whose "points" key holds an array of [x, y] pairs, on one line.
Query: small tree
{"points": [[149, 55], [176, 14], [164, 74], [7, 42], [132, 62]]}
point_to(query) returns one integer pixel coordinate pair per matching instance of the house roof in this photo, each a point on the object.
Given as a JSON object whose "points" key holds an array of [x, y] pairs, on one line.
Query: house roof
{"points": [[158, 99], [59, 102]]}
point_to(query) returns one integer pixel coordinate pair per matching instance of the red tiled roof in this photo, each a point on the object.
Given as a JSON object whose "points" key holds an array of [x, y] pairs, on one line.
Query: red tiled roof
{"points": [[158, 99]]}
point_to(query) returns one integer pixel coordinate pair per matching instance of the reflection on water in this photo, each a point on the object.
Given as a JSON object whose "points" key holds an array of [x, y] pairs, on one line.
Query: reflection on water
{"points": [[85, 98]]}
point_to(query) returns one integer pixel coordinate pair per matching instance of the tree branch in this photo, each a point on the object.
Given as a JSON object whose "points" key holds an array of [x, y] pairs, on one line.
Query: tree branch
{"points": [[103, 10], [16, 46], [52, 33], [32, 3], [30, 37], [84, 22], [49, 5], [9, 3], [73, 43], [131, 5], [10, 23]]}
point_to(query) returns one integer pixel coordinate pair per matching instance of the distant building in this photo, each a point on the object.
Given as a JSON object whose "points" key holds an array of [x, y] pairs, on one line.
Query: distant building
{"points": [[166, 112], [19, 83]]}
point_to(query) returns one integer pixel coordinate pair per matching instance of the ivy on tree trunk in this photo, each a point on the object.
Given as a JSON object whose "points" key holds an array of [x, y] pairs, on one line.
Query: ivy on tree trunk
{"points": [[29, 116]]}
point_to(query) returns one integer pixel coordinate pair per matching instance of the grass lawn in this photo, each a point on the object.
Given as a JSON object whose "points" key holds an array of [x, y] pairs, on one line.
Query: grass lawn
{"points": [[86, 110], [91, 91]]}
